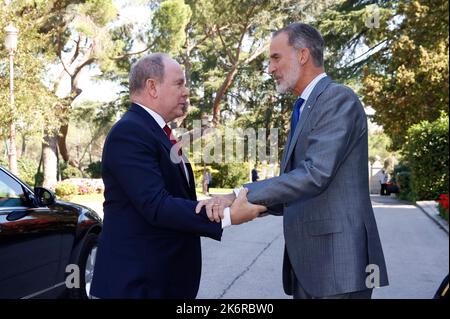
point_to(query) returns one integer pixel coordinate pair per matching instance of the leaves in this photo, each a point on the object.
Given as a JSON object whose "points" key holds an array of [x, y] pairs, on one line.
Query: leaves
{"points": [[170, 22], [426, 152], [408, 82]]}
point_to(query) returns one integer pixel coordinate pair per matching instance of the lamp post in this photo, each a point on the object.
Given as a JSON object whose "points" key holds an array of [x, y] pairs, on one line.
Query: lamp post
{"points": [[11, 45]]}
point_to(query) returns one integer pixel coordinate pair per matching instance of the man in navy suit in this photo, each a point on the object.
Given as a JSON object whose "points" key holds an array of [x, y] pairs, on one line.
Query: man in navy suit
{"points": [[150, 243]]}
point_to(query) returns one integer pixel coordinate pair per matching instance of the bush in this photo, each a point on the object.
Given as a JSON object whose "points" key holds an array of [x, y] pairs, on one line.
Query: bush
{"points": [[27, 170], [402, 176], [94, 170], [401, 167], [426, 153], [404, 185], [65, 190], [86, 186], [68, 171], [229, 175]]}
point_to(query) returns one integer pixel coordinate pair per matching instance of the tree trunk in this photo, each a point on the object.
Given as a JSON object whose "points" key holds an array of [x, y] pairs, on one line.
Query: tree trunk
{"points": [[220, 94], [63, 130], [50, 161], [24, 145], [75, 91]]}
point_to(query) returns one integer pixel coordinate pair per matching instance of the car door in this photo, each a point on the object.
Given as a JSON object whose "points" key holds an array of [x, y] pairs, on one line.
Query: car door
{"points": [[29, 243]]}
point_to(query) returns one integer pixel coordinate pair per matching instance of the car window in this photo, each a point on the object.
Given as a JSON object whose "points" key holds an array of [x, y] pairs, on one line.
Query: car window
{"points": [[11, 192]]}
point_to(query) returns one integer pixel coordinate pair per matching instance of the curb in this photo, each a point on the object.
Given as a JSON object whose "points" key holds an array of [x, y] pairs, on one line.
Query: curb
{"points": [[435, 217]]}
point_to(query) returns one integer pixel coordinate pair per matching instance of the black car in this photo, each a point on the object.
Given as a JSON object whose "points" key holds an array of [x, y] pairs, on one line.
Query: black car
{"points": [[47, 246]]}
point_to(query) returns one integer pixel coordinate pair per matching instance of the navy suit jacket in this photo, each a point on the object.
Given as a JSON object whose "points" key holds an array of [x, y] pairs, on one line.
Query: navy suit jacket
{"points": [[150, 243]]}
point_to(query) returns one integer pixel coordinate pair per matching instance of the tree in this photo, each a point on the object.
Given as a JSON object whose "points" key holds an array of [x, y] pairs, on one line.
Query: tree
{"points": [[90, 123], [71, 37], [379, 144], [33, 101], [169, 23], [222, 37], [353, 31], [237, 33], [408, 81], [80, 37], [395, 54]]}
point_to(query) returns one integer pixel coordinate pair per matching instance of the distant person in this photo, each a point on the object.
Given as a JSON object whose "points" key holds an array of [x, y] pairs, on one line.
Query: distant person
{"points": [[206, 181], [383, 178], [255, 176]]}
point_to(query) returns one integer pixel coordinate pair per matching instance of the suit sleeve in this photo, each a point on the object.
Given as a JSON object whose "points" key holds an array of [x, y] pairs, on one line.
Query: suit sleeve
{"points": [[133, 162], [338, 128], [275, 210]]}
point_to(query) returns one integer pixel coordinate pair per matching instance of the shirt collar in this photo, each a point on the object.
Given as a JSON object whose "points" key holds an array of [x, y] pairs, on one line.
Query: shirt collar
{"points": [[158, 118], [308, 90]]}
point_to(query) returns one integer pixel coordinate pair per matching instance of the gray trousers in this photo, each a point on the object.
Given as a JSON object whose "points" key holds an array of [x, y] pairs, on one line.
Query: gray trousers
{"points": [[300, 293]]}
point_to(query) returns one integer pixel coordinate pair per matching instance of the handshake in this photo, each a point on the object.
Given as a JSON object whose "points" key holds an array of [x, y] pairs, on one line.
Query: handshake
{"points": [[241, 210]]}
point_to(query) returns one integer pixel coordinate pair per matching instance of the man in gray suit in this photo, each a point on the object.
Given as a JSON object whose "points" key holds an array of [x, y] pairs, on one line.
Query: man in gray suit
{"points": [[332, 249]]}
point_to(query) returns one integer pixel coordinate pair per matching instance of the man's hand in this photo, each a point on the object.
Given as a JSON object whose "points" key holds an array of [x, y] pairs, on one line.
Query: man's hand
{"points": [[242, 211], [215, 206]]}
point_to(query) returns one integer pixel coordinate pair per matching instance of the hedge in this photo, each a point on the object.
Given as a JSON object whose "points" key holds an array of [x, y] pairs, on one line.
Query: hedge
{"points": [[426, 153]]}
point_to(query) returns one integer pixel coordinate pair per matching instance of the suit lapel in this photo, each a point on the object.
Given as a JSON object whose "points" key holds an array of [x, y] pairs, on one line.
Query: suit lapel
{"points": [[192, 182], [168, 146], [283, 157], [162, 137], [308, 106]]}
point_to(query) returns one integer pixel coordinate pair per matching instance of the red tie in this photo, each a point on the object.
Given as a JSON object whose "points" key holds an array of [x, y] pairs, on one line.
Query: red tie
{"points": [[172, 139]]}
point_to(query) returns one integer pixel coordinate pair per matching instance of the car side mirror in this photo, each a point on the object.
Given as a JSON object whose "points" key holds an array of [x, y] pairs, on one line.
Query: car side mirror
{"points": [[44, 196]]}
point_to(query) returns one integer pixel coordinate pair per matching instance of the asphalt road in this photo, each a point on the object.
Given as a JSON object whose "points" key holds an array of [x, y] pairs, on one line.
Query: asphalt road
{"points": [[247, 262]]}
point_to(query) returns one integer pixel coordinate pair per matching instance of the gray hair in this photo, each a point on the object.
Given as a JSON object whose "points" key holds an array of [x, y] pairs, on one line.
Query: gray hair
{"points": [[301, 35], [148, 67]]}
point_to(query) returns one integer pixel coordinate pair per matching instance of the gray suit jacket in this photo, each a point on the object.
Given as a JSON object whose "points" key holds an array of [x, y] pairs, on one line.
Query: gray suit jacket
{"points": [[323, 193]]}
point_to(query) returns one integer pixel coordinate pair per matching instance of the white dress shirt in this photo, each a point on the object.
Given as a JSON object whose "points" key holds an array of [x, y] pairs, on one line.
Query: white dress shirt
{"points": [[309, 88]]}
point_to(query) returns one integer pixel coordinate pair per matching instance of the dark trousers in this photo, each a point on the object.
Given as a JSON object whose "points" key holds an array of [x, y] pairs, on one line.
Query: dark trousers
{"points": [[300, 293], [384, 190]]}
